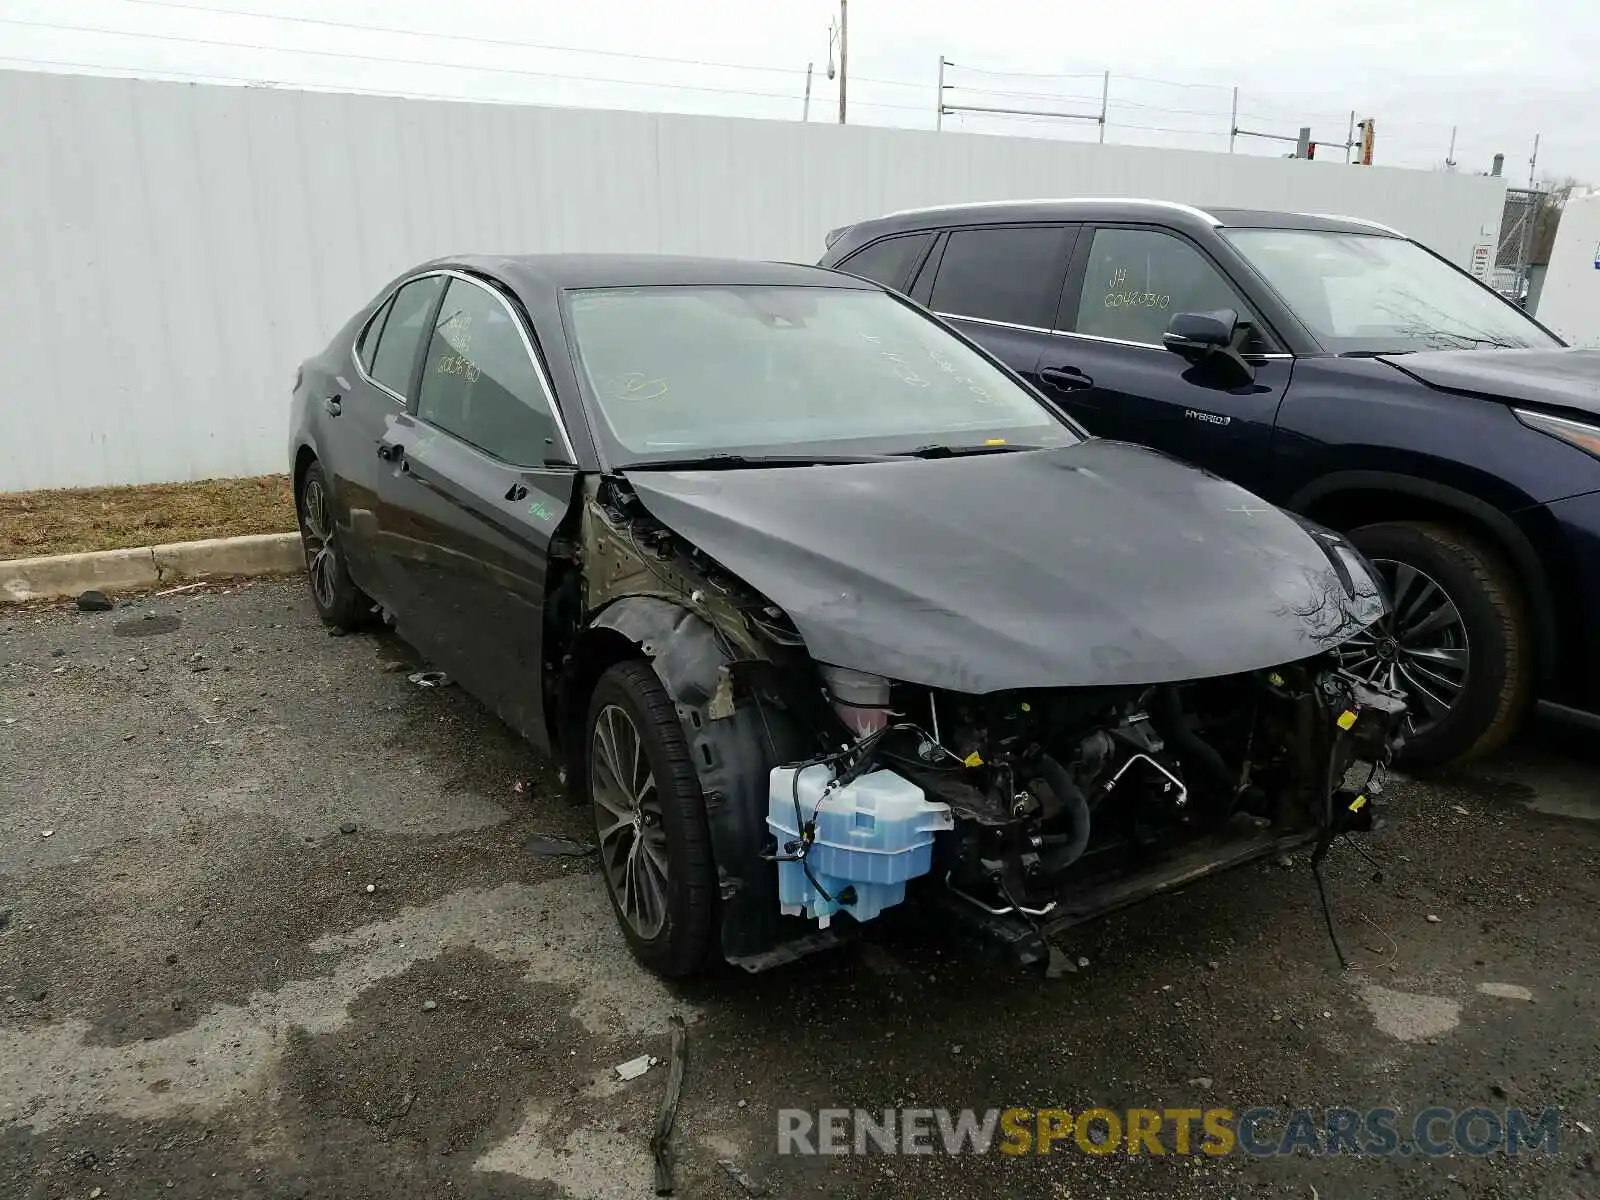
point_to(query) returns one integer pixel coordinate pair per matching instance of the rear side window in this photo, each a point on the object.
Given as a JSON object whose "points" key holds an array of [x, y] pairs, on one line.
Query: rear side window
{"points": [[889, 261], [402, 333], [479, 382], [1008, 273], [368, 342]]}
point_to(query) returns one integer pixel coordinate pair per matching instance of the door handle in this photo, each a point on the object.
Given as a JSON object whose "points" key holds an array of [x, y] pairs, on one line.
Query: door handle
{"points": [[391, 451], [1068, 379], [516, 492], [333, 404]]}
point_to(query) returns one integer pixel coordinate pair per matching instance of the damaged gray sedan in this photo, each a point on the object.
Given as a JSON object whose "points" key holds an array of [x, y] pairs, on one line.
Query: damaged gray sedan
{"points": [[824, 611]]}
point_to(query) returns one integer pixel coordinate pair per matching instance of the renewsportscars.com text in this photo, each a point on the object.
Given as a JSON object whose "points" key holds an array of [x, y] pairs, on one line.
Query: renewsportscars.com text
{"points": [[1260, 1132]]}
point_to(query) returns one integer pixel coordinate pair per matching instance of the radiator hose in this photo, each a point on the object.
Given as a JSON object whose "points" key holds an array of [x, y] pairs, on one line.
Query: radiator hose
{"points": [[1061, 850]]}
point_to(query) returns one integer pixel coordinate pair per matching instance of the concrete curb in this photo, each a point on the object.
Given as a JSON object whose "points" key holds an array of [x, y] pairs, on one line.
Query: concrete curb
{"points": [[149, 566]]}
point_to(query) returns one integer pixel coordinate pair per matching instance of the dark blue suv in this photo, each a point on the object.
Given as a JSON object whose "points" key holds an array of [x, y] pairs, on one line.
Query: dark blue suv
{"points": [[1335, 368]]}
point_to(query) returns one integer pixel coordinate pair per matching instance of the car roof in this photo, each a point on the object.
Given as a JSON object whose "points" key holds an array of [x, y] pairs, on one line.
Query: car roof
{"points": [[1097, 208], [559, 272]]}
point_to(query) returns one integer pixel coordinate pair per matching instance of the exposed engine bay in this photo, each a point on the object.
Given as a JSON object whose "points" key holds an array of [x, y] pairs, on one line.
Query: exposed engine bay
{"points": [[1053, 795], [1015, 811]]}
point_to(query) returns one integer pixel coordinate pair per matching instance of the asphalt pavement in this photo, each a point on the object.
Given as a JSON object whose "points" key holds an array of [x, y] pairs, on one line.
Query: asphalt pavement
{"points": [[277, 922]]}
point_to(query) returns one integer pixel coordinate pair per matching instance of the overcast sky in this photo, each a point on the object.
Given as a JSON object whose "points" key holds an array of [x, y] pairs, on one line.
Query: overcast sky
{"points": [[1500, 72]]}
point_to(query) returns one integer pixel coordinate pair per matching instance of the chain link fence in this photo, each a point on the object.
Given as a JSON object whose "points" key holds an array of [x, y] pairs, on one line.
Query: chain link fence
{"points": [[1519, 239]]}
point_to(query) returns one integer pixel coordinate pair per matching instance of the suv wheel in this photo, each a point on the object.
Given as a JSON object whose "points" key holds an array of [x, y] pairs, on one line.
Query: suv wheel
{"points": [[1456, 643]]}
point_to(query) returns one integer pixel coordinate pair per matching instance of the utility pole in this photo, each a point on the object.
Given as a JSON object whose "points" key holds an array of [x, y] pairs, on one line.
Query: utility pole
{"points": [[805, 113], [1105, 101], [844, 53], [938, 112], [1233, 122]]}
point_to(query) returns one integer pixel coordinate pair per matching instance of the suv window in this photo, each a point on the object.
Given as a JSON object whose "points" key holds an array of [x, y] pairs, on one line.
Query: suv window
{"points": [[402, 332], [888, 261], [1006, 273], [1138, 278], [479, 384]]}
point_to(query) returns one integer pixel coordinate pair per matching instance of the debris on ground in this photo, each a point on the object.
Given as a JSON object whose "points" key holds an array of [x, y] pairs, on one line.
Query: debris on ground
{"points": [[1201, 1081], [748, 1185], [634, 1067], [47, 833], [1582, 1127], [521, 787], [371, 887], [430, 1005], [348, 827], [185, 587], [1433, 918], [94, 601], [393, 667], [429, 679], [661, 1141], [557, 847]]}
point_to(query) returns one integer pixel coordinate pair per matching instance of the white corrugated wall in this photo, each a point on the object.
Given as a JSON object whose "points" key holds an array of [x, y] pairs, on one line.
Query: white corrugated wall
{"points": [[171, 251]]}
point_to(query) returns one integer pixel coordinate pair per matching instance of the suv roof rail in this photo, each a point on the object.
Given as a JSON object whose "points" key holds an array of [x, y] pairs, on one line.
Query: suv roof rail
{"points": [[1172, 205], [1354, 221]]}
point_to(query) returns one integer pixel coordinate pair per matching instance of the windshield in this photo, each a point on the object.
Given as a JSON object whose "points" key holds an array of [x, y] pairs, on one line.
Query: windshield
{"points": [[687, 371], [1368, 293]]}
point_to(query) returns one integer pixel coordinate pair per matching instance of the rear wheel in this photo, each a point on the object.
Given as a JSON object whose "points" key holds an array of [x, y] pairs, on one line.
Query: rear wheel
{"points": [[1457, 642], [340, 603], [650, 822]]}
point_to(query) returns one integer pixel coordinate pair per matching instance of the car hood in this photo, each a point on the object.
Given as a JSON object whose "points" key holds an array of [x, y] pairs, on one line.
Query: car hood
{"points": [[1099, 564], [1564, 378]]}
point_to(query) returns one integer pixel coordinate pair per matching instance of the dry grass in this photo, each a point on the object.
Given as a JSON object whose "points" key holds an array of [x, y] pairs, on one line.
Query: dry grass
{"points": [[62, 522]]}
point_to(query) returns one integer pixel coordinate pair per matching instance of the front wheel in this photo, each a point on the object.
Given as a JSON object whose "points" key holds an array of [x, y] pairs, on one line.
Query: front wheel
{"points": [[340, 603], [1457, 642], [650, 822]]}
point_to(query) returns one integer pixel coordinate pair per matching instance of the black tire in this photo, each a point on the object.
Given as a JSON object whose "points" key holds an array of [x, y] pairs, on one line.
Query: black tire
{"points": [[687, 935], [1493, 697], [340, 603]]}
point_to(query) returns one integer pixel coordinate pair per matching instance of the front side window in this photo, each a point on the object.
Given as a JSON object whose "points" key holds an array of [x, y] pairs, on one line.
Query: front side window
{"points": [[690, 370], [479, 383], [1369, 293], [889, 261], [1137, 279], [402, 333], [1009, 273]]}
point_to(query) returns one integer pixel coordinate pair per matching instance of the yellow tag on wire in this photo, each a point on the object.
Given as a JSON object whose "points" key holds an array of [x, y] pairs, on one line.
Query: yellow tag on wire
{"points": [[1358, 803], [1346, 719], [973, 760]]}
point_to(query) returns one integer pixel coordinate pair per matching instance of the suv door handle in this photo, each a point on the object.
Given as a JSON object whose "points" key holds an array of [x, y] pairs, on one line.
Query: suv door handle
{"points": [[391, 451], [516, 492], [1068, 379], [333, 404]]}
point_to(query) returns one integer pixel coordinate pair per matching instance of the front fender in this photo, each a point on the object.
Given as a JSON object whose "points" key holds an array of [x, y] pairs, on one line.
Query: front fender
{"points": [[730, 744]]}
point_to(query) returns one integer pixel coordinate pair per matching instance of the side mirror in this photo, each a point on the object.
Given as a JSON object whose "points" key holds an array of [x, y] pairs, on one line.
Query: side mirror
{"points": [[1198, 334]]}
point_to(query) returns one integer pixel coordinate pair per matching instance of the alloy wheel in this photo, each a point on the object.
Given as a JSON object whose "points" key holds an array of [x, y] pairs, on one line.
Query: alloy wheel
{"points": [[1420, 648], [633, 840], [316, 532]]}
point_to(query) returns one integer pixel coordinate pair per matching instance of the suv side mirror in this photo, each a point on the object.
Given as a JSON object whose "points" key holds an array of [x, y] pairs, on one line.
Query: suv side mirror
{"points": [[1196, 334], [1213, 344]]}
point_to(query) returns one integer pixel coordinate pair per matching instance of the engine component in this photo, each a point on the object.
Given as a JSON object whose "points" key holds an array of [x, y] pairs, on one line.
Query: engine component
{"points": [[849, 847], [860, 699]]}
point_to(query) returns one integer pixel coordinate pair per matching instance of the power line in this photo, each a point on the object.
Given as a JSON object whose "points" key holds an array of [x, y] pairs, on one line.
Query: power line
{"points": [[1021, 74], [509, 43], [418, 62], [480, 40]]}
